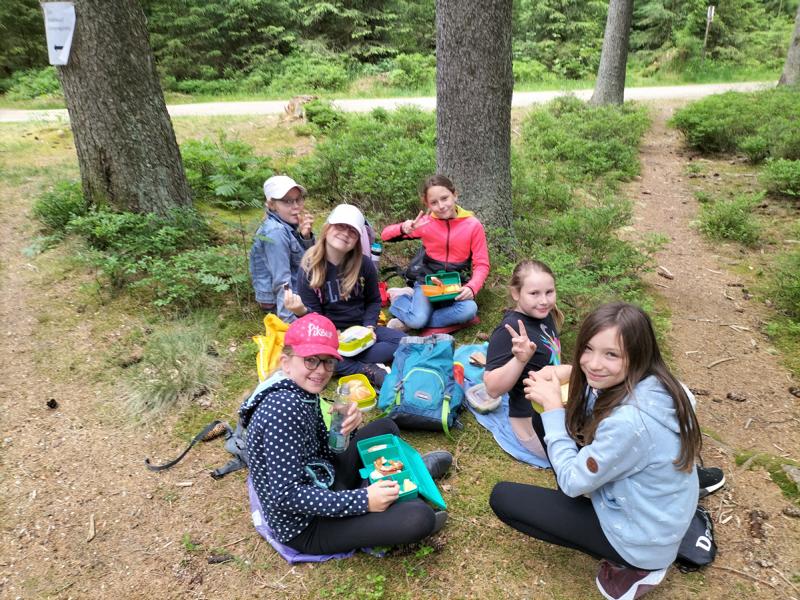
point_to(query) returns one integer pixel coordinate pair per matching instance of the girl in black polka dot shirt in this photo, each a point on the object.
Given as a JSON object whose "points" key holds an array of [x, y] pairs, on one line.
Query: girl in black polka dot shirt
{"points": [[312, 498]]}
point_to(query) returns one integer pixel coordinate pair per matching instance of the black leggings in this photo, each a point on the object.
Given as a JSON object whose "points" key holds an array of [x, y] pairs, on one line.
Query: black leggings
{"points": [[401, 523], [552, 516]]}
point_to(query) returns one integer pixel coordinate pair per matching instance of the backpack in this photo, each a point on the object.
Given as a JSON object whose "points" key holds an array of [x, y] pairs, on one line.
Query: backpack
{"points": [[411, 273], [235, 439], [697, 548], [421, 391]]}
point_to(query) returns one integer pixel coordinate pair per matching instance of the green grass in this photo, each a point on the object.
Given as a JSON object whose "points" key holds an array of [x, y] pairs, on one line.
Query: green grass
{"points": [[774, 466]]}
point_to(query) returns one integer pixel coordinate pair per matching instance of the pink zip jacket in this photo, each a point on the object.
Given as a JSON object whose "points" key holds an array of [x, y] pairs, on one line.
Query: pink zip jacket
{"points": [[457, 244]]}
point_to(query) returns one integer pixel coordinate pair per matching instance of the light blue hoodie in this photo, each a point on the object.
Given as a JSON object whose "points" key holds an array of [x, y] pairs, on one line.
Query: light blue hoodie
{"points": [[644, 503]]}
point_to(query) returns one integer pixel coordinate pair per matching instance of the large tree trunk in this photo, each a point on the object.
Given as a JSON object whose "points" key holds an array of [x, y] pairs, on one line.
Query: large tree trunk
{"points": [[474, 83], [610, 85], [791, 68], [126, 146]]}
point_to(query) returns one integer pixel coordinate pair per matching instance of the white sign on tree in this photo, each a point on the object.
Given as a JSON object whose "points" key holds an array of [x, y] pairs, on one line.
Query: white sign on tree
{"points": [[59, 25]]}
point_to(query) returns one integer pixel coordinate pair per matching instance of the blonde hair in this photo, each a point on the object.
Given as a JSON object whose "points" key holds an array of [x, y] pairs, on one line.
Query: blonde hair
{"points": [[315, 264], [521, 272]]}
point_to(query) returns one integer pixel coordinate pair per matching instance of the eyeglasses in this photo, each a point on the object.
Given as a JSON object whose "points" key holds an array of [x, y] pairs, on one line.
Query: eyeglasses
{"points": [[312, 362], [345, 228], [293, 201]]}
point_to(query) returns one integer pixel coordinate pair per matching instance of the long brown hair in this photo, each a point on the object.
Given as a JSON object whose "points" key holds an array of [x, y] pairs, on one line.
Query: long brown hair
{"points": [[642, 359], [315, 262], [433, 181], [521, 272]]}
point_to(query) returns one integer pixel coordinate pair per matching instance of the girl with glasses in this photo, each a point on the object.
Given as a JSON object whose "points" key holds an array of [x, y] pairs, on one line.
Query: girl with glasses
{"points": [[279, 244], [312, 498], [337, 281]]}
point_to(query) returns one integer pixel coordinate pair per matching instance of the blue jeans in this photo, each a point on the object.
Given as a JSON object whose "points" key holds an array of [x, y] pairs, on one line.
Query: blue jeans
{"points": [[418, 312]]}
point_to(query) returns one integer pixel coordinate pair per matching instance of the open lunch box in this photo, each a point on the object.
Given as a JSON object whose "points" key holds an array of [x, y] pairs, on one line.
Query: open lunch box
{"points": [[360, 390], [441, 286], [413, 477]]}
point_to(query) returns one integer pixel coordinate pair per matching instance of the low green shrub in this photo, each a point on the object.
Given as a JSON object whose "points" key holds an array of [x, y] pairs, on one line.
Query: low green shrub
{"points": [[60, 205], [782, 177], [311, 72], [785, 286], [225, 173], [375, 161], [34, 83], [413, 71], [531, 71], [196, 278], [590, 141], [732, 220], [760, 124], [323, 115]]}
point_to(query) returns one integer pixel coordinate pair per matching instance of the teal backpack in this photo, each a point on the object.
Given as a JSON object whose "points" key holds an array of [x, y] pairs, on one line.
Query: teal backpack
{"points": [[421, 391]]}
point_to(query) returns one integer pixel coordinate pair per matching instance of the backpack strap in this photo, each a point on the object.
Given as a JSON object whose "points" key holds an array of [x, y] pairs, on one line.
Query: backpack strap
{"points": [[233, 465], [211, 431], [445, 415]]}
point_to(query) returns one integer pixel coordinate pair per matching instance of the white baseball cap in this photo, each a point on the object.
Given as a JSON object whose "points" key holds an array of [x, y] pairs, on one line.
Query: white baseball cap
{"points": [[278, 186], [348, 215]]}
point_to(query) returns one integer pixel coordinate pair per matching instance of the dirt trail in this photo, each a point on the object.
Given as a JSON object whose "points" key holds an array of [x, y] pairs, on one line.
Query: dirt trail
{"points": [[719, 350], [62, 468]]}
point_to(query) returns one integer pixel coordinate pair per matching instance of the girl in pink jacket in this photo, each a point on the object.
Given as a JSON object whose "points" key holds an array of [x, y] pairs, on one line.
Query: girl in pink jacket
{"points": [[453, 240]]}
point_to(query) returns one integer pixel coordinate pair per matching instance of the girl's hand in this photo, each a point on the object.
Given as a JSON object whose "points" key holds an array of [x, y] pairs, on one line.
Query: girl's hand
{"points": [[521, 346], [293, 302], [382, 494], [408, 226], [466, 293], [544, 388], [352, 417], [306, 221]]}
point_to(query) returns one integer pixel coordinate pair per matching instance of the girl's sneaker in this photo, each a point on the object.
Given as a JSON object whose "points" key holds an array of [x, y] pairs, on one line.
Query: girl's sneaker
{"points": [[711, 479], [626, 583], [393, 293], [395, 323]]}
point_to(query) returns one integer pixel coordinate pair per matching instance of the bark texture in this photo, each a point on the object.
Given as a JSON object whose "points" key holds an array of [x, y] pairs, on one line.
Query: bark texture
{"points": [[610, 85], [126, 146], [474, 83], [791, 68]]}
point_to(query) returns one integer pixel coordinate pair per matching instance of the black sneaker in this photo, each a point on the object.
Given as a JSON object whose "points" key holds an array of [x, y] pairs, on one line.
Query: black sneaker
{"points": [[710, 480], [437, 462], [441, 519], [626, 583]]}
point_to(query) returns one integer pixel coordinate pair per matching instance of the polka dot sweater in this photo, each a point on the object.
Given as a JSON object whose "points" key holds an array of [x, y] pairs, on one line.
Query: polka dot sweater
{"points": [[286, 443]]}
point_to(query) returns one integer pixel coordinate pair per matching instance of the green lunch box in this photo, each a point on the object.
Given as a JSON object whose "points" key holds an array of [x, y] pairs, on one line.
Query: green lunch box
{"points": [[436, 293], [392, 447]]}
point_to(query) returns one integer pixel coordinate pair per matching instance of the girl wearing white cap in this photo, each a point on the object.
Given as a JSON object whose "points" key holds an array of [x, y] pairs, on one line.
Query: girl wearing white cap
{"points": [[279, 245], [338, 282]]}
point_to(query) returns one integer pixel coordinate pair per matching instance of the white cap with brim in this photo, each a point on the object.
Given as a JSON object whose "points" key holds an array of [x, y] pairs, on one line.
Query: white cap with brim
{"points": [[347, 214], [278, 186]]}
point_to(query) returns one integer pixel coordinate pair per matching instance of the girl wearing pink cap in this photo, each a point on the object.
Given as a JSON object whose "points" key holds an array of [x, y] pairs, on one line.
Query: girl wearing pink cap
{"points": [[312, 498], [337, 281]]}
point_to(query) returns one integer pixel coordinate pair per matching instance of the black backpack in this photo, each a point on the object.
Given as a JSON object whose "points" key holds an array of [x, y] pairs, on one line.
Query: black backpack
{"points": [[697, 548]]}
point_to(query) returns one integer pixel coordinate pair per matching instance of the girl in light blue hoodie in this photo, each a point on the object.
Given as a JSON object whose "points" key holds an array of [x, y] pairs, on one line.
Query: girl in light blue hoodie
{"points": [[623, 452]]}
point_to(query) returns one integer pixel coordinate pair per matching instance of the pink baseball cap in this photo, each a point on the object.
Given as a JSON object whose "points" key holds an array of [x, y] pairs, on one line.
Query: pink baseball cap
{"points": [[313, 334]]}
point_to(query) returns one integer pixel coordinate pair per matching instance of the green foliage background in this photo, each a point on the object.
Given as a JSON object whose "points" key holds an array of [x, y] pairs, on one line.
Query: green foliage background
{"points": [[210, 47]]}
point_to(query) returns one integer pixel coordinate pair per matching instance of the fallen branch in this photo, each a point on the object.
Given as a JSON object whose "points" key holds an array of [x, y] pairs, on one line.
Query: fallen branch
{"points": [[664, 272], [789, 583], [713, 271], [720, 361], [743, 574]]}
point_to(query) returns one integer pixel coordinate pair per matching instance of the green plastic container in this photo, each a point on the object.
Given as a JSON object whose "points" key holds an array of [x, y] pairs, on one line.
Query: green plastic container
{"points": [[414, 469], [447, 278]]}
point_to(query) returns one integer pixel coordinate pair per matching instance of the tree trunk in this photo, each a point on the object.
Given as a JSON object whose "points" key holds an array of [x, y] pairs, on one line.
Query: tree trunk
{"points": [[474, 83], [791, 68], [126, 146], [610, 85]]}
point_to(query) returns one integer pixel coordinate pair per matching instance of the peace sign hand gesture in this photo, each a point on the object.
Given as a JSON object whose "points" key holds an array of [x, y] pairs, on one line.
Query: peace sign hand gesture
{"points": [[408, 226], [521, 347]]}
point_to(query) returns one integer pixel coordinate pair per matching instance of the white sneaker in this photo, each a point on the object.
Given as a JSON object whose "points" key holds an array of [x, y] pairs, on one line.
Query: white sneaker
{"points": [[395, 323], [393, 293]]}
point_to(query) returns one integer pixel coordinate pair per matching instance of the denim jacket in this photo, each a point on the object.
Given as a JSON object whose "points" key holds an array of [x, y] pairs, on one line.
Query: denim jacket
{"points": [[274, 260]]}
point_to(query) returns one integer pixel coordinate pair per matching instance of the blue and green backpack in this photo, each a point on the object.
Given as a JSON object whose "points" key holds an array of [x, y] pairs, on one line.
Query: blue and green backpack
{"points": [[421, 391]]}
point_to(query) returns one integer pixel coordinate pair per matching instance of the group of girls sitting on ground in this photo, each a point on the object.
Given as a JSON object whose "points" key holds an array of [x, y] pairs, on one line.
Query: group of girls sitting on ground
{"points": [[623, 449]]}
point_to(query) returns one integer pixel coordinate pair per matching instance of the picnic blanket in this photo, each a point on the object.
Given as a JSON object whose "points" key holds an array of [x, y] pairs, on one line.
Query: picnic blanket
{"points": [[497, 420]]}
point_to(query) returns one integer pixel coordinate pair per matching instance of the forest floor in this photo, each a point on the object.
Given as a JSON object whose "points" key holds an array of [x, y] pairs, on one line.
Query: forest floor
{"points": [[81, 518]]}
